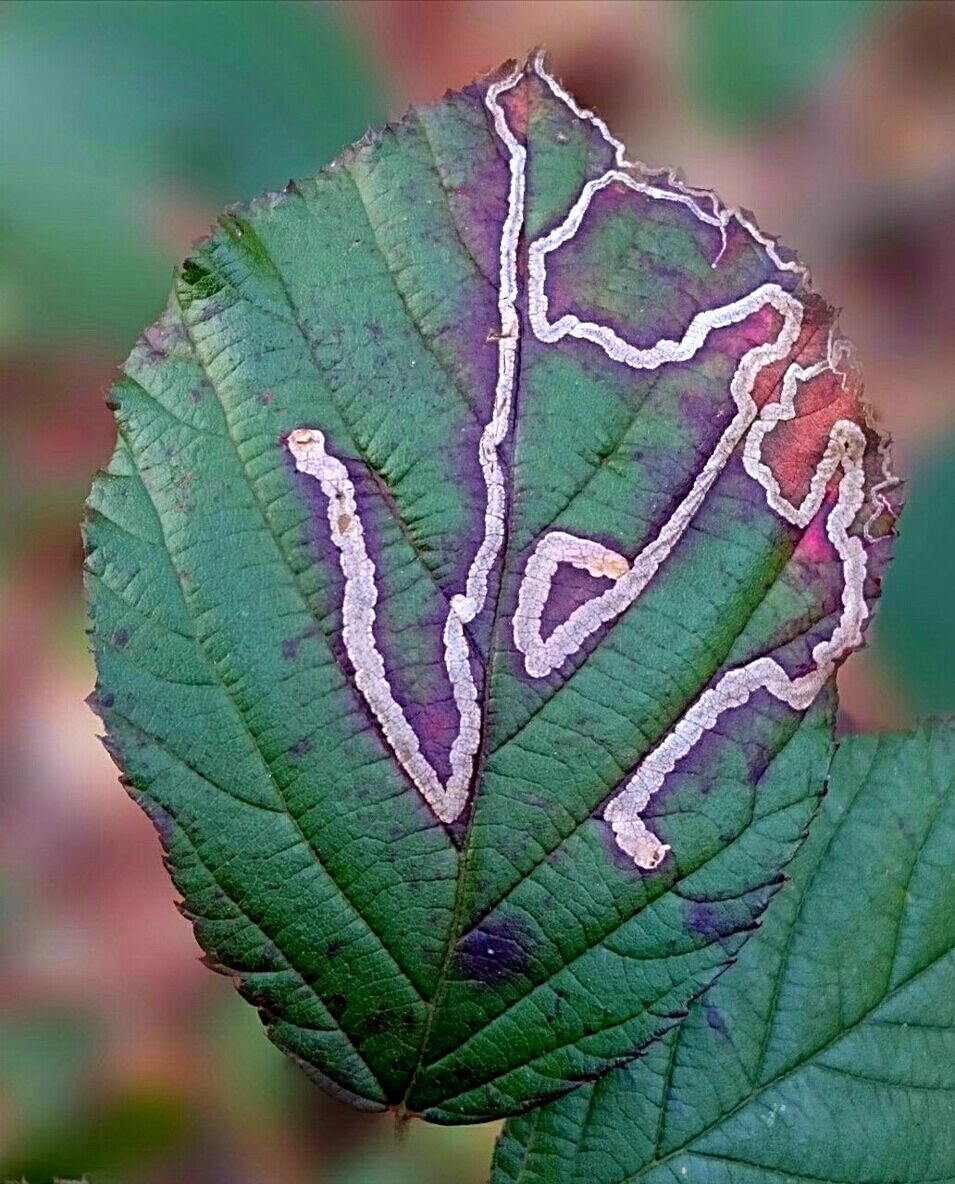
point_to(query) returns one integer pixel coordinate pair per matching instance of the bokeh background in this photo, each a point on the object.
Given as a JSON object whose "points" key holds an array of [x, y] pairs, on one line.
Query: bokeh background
{"points": [[124, 127]]}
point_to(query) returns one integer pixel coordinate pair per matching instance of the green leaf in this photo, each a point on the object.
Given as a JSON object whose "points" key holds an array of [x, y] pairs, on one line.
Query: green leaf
{"points": [[737, 80], [119, 121], [488, 521], [916, 638], [827, 1053]]}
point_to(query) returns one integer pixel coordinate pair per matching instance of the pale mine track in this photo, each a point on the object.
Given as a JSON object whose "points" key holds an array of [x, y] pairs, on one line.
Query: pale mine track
{"points": [[749, 427]]}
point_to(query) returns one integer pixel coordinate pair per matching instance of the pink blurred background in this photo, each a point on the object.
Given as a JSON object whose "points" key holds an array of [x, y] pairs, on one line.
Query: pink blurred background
{"points": [[124, 127]]}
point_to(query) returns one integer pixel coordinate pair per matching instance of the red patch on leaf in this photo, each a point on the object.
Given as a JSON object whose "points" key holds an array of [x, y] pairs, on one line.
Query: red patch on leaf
{"points": [[759, 328], [815, 546], [793, 451], [516, 105], [795, 446]]}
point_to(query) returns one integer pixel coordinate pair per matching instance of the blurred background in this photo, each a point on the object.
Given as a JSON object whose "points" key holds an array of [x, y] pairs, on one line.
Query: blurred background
{"points": [[124, 127]]}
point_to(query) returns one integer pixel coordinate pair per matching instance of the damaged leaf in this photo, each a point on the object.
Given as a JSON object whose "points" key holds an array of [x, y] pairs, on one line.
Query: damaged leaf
{"points": [[489, 517]]}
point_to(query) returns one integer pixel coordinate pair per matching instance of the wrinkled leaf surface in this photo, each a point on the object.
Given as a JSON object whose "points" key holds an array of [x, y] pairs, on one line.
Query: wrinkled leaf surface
{"points": [[488, 519]]}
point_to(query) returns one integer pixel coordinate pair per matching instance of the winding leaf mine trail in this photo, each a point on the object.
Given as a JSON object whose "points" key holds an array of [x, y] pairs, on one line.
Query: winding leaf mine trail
{"points": [[836, 488]]}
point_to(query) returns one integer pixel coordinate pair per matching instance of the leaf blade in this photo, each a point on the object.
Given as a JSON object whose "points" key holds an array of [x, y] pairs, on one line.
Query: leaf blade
{"points": [[423, 835], [826, 1050]]}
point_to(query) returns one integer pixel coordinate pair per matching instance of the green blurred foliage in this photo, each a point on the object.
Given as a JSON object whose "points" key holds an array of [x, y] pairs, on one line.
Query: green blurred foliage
{"points": [[118, 1136], [42, 1061], [749, 59], [916, 631], [119, 117], [63, 1126], [420, 1156]]}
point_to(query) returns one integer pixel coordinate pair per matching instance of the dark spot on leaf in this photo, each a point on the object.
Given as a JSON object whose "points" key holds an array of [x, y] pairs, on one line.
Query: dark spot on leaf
{"points": [[333, 950], [290, 648], [495, 951], [265, 399], [300, 748], [377, 1022], [120, 638], [199, 281], [705, 919], [714, 1018]]}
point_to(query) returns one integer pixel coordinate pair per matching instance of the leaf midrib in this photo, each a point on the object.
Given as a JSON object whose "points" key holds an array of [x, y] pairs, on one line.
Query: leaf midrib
{"points": [[481, 757], [431, 1005], [484, 754]]}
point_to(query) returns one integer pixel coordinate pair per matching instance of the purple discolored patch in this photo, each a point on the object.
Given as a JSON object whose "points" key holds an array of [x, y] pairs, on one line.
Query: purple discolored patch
{"points": [[570, 588], [714, 1018], [496, 951], [707, 920], [474, 174], [161, 819], [645, 297]]}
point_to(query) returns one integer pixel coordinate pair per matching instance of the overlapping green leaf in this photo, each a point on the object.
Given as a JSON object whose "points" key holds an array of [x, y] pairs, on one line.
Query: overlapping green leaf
{"points": [[916, 639], [827, 1053], [733, 76], [121, 122], [489, 517]]}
